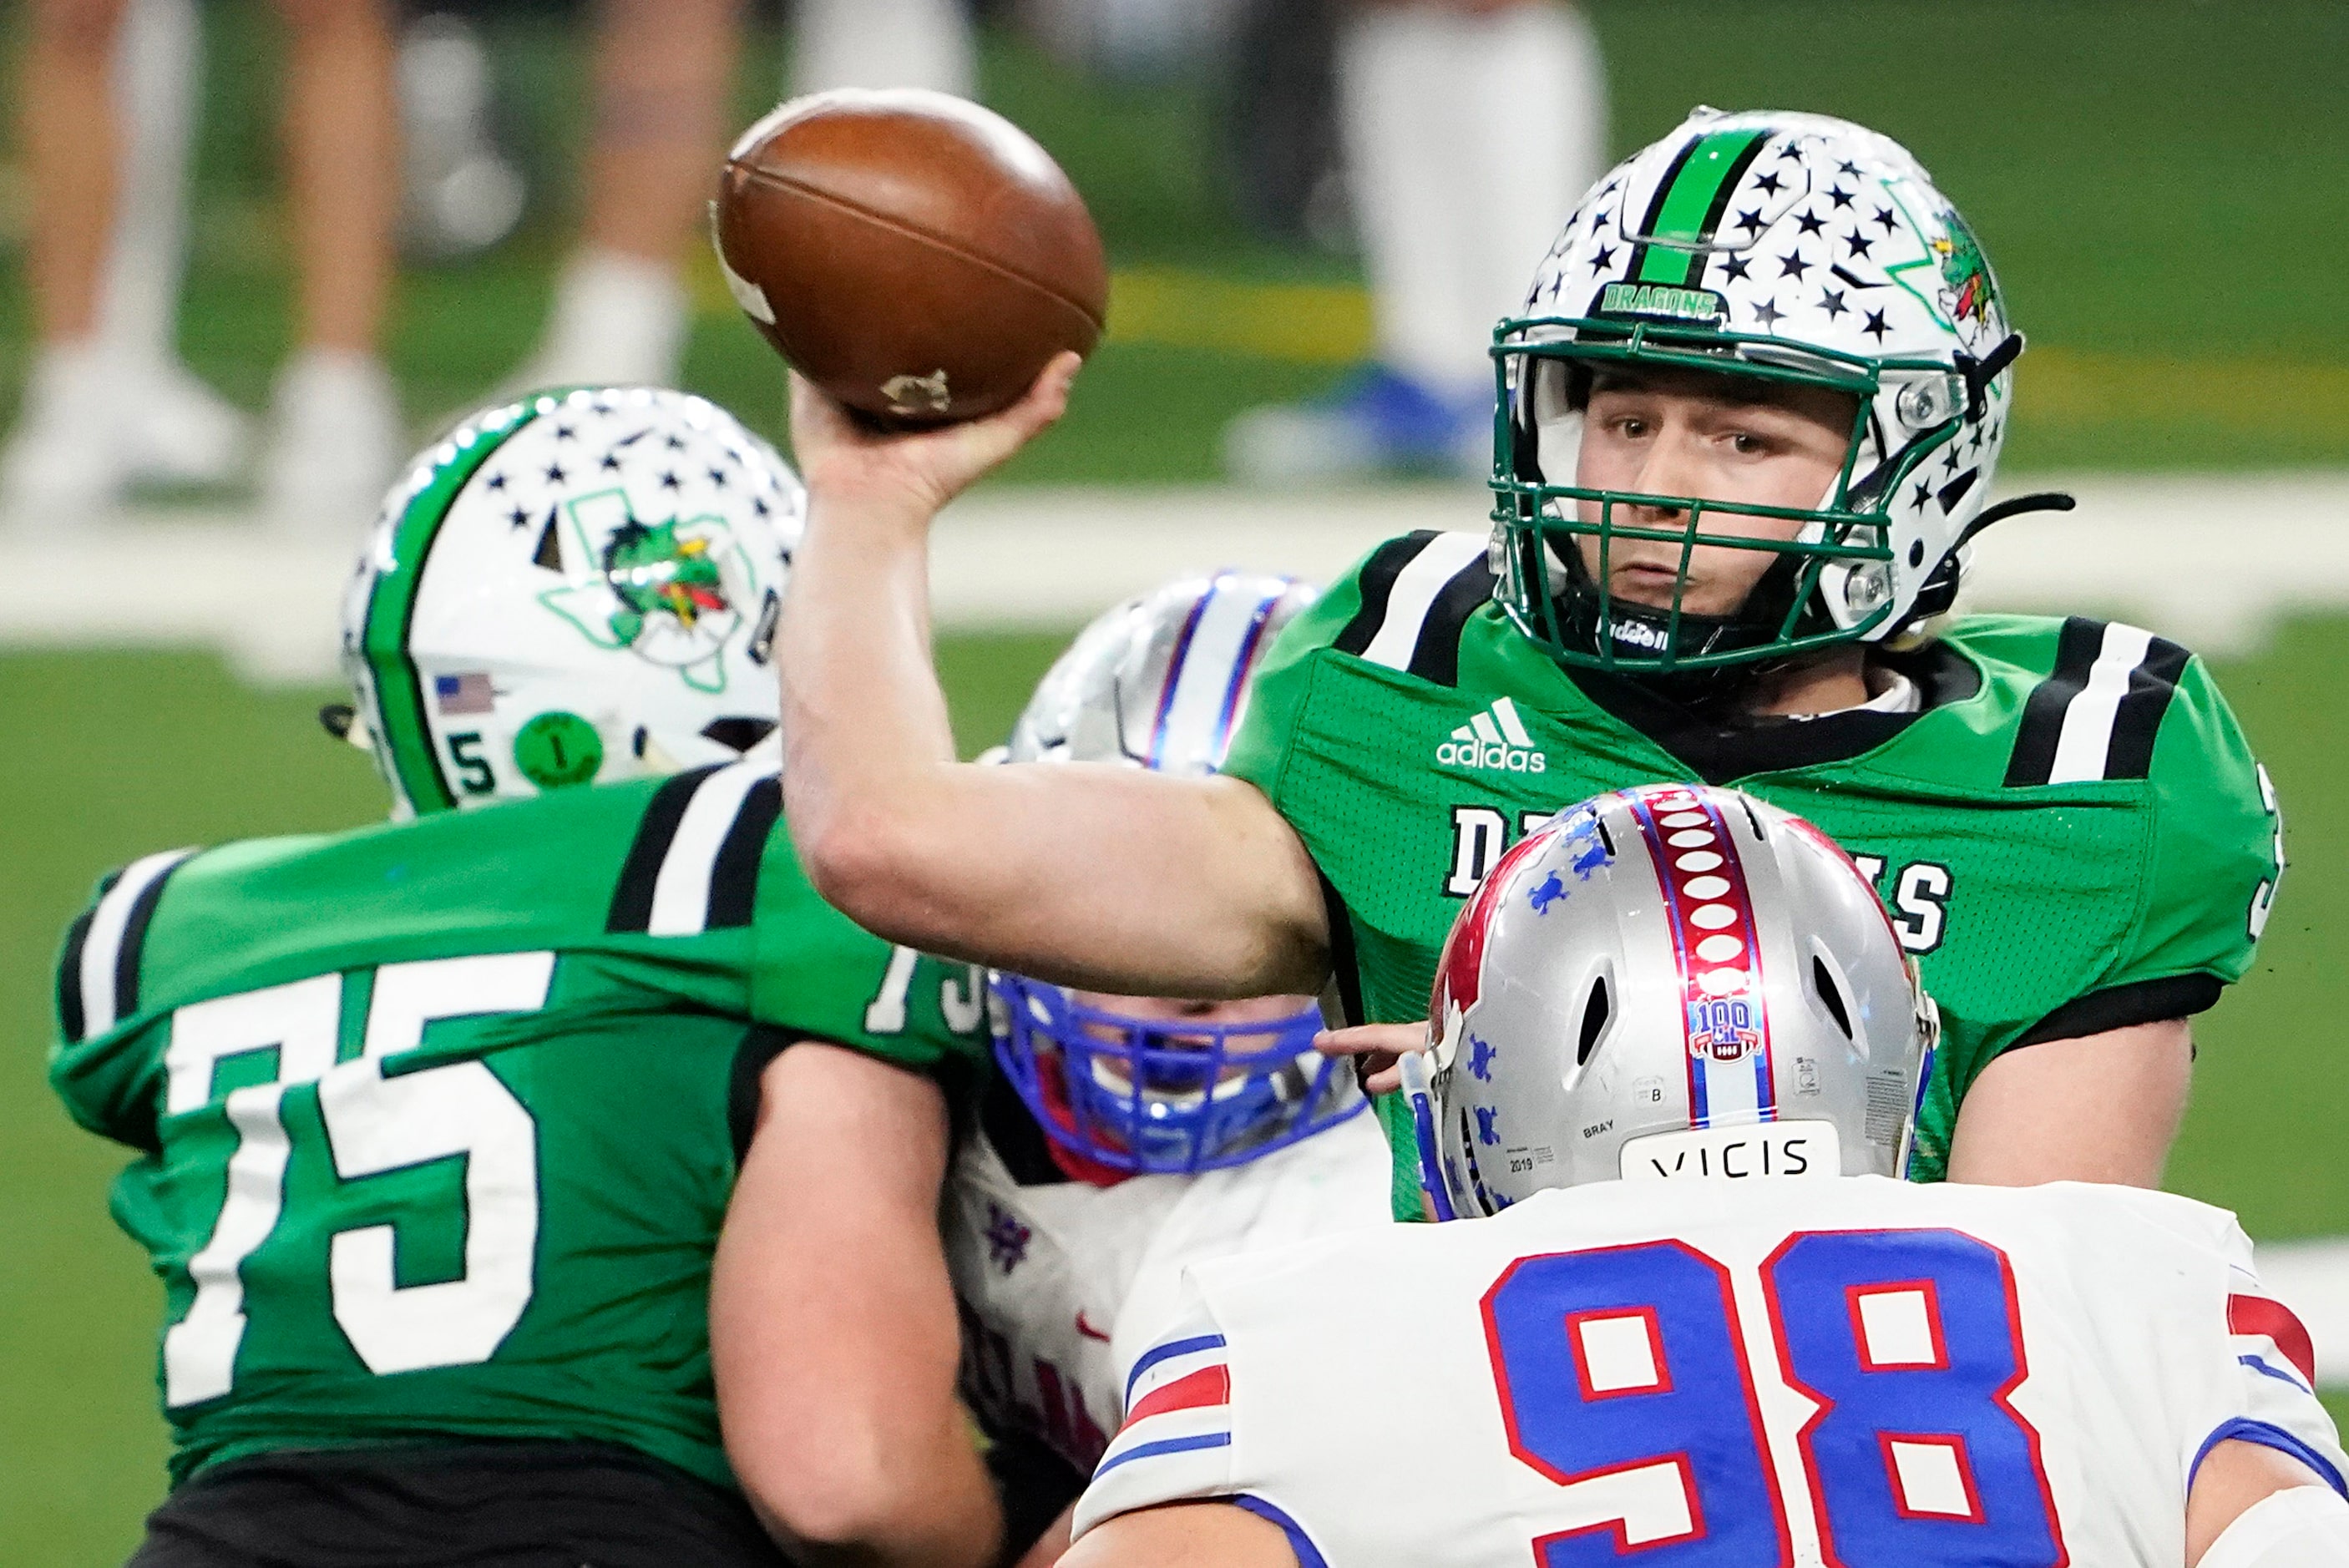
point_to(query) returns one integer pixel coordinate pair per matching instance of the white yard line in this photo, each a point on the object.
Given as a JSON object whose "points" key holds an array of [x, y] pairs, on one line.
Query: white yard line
{"points": [[2212, 561]]}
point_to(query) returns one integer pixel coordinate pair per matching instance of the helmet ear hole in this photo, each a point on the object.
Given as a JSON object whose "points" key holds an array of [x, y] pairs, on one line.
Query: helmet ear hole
{"points": [[738, 732], [1830, 995], [1598, 1007]]}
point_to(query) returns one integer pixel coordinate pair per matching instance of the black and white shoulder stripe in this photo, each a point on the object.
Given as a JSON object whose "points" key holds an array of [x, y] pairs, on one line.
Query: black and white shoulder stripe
{"points": [[694, 866], [2097, 714], [97, 978], [1418, 592]]}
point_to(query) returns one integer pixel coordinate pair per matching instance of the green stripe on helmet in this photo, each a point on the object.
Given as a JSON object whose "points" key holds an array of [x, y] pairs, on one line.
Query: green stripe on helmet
{"points": [[1690, 207], [392, 607]]}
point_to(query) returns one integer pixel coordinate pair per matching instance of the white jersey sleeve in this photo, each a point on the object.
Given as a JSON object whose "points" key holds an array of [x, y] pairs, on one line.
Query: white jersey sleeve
{"points": [[2275, 1400], [1714, 1373], [1176, 1440]]}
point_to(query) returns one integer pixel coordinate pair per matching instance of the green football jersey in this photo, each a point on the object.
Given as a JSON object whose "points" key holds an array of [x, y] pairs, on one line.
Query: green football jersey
{"points": [[2071, 835], [440, 1119]]}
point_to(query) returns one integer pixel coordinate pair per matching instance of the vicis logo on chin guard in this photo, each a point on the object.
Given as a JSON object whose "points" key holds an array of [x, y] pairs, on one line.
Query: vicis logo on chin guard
{"points": [[1758, 1148], [1495, 740]]}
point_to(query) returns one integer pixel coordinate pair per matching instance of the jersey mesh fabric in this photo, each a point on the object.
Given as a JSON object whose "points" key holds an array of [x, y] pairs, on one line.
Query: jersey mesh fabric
{"points": [[625, 1074], [2019, 896]]}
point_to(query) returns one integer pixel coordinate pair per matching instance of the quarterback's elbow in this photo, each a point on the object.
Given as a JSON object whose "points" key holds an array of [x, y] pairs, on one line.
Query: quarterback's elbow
{"points": [[868, 865]]}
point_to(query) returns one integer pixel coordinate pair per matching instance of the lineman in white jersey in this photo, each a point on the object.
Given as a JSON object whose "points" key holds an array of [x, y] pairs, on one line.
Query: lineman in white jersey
{"points": [[1689, 1371], [1126, 1137]]}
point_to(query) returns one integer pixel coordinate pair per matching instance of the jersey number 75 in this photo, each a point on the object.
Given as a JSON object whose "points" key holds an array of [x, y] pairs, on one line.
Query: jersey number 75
{"points": [[374, 1123], [1623, 1378]]}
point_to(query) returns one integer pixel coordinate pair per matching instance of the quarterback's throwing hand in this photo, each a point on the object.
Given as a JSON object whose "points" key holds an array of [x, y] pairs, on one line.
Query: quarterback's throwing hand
{"points": [[849, 462], [1376, 1049]]}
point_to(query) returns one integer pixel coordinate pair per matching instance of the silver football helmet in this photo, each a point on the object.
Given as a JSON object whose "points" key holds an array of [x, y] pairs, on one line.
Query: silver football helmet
{"points": [[1162, 679], [1669, 981], [1160, 682]]}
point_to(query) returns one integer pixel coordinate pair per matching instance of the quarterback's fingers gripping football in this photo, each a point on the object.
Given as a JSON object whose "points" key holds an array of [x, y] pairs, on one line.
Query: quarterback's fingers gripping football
{"points": [[844, 457], [1376, 1049]]}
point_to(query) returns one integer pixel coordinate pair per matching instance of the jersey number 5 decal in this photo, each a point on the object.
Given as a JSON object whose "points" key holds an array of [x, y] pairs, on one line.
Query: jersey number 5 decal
{"points": [[1623, 1378], [374, 1124]]}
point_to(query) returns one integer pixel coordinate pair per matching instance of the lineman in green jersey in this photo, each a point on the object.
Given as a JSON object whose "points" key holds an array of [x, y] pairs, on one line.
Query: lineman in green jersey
{"points": [[1745, 430], [445, 1125]]}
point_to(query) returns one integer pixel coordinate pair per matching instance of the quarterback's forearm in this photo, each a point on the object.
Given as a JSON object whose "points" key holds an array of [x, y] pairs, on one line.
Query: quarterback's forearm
{"points": [[1113, 878]]}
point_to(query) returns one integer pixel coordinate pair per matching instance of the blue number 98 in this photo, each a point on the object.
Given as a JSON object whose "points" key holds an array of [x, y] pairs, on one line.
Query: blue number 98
{"points": [[1623, 1378]]}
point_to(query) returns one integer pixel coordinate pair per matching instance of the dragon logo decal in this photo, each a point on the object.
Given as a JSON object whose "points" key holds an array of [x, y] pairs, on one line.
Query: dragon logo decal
{"points": [[672, 592], [1969, 293]]}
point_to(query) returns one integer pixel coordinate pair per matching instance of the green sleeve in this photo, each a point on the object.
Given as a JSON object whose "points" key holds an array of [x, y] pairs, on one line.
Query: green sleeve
{"points": [[2216, 848], [814, 972], [109, 1083]]}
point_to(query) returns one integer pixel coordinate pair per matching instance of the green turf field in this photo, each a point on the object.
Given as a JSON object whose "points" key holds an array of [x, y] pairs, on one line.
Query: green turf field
{"points": [[2157, 180], [133, 752]]}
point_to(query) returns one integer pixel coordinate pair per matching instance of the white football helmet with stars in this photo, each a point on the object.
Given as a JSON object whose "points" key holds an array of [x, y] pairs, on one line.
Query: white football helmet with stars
{"points": [[1793, 247], [577, 587]]}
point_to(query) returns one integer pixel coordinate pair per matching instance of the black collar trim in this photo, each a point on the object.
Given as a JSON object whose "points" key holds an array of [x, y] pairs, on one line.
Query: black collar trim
{"points": [[1722, 752]]}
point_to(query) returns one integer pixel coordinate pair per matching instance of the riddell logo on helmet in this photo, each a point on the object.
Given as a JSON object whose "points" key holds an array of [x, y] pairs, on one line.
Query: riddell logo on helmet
{"points": [[1496, 739], [1638, 634]]}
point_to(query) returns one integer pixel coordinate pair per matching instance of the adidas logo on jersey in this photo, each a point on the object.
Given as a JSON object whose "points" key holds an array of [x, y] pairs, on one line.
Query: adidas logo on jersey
{"points": [[1495, 739]]}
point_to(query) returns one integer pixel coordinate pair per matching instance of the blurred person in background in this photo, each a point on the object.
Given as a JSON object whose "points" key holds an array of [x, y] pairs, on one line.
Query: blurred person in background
{"points": [[106, 403], [663, 78], [1466, 127]]}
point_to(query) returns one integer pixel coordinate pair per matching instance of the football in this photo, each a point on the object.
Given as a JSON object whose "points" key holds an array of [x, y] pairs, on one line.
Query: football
{"points": [[918, 257]]}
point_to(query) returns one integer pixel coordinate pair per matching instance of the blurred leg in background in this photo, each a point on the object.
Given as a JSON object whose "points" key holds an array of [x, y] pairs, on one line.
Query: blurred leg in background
{"points": [[664, 112], [109, 101], [664, 75], [1469, 128], [335, 433], [883, 43]]}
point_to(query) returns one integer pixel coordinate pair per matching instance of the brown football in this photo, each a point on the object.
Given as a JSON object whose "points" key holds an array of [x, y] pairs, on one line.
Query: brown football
{"points": [[911, 253]]}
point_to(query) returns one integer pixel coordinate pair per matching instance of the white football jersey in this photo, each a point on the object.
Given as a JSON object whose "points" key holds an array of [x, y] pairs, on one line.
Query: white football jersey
{"points": [[1062, 1282], [1851, 1371]]}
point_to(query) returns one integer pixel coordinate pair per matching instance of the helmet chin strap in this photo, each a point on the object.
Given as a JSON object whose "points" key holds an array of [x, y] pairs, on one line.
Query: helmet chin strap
{"points": [[652, 755], [340, 719], [1418, 1095]]}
